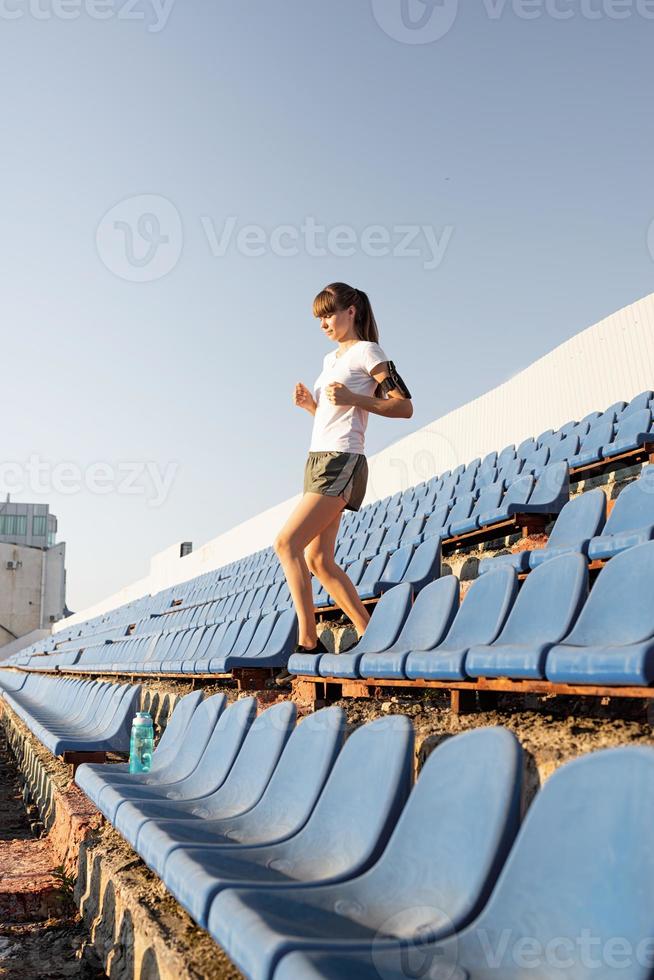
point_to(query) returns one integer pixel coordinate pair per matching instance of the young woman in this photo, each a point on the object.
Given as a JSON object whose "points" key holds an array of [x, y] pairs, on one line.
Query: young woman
{"points": [[336, 472]]}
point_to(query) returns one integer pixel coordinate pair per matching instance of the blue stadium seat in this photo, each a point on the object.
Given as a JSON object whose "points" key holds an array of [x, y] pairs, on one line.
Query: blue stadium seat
{"points": [[268, 651], [93, 777], [631, 521], [436, 523], [444, 854], [563, 449], [639, 402], [345, 834], [372, 574], [551, 491], [76, 715], [487, 502], [512, 502], [612, 413], [210, 773], [386, 622], [428, 621], [282, 811], [577, 907], [423, 567], [479, 619], [394, 570], [592, 444], [613, 640], [633, 433], [581, 518], [536, 461], [543, 613], [242, 789], [461, 511]]}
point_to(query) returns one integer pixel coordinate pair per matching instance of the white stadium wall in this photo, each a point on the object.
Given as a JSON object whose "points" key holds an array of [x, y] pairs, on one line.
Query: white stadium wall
{"points": [[612, 360]]}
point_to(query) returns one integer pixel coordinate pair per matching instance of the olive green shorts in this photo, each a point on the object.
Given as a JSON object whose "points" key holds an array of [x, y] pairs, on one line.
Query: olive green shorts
{"points": [[337, 475]]}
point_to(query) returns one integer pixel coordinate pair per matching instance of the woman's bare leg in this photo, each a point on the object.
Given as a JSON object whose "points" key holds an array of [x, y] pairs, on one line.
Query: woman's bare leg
{"points": [[314, 512], [319, 555]]}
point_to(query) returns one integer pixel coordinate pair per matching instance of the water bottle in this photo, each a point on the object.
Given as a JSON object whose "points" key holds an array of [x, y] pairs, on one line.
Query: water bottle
{"points": [[141, 743]]}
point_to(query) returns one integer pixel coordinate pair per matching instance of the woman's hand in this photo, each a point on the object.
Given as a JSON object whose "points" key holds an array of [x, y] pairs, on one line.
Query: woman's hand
{"points": [[303, 398], [338, 394]]}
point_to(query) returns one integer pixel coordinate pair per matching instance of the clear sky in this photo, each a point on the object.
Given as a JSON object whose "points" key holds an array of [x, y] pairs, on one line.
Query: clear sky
{"points": [[179, 179]]}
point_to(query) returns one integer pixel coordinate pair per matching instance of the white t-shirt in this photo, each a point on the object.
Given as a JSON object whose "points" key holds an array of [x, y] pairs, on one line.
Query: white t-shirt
{"points": [[341, 428]]}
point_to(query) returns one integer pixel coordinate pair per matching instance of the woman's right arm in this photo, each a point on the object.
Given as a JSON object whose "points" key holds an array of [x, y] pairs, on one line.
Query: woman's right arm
{"points": [[303, 398]]}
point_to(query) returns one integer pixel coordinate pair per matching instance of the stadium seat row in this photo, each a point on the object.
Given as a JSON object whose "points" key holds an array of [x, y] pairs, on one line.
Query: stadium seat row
{"points": [[73, 715], [307, 857], [552, 627]]}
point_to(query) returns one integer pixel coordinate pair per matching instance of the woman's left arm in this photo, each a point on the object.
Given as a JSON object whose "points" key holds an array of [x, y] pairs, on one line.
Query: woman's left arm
{"points": [[393, 407]]}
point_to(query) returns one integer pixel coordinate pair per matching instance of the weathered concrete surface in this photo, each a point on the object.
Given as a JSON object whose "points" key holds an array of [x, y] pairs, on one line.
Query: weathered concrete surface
{"points": [[139, 931]]}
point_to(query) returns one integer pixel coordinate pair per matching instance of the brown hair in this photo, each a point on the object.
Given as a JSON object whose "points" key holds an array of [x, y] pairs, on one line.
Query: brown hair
{"points": [[339, 296]]}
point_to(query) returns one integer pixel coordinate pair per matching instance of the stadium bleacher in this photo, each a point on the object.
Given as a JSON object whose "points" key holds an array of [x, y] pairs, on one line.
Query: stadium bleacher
{"points": [[311, 845], [308, 854], [238, 621]]}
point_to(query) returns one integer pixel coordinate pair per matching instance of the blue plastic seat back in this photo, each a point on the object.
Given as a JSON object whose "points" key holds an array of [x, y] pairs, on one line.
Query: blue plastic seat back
{"points": [[548, 438], [489, 499], [413, 528], [581, 519], [374, 571], [467, 479], [620, 607], [397, 564], [393, 534], [258, 639], [486, 477], [516, 496], [221, 750], [634, 506], [374, 541], [436, 521], [489, 461], [526, 448], [611, 413], [548, 602], [356, 569], [386, 621], [457, 827], [536, 460], [483, 612], [393, 514], [425, 564], [552, 487], [597, 436], [641, 401], [635, 424], [245, 635], [599, 804], [431, 615], [510, 471], [360, 804], [175, 730], [506, 456], [300, 776], [255, 763], [564, 449], [462, 508]]}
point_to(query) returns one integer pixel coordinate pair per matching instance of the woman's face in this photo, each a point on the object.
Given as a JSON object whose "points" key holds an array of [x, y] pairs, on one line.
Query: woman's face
{"points": [[339, 326]]}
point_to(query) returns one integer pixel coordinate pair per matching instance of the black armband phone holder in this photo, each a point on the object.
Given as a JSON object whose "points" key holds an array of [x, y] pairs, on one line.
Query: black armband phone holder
{"points": [[394, 382]]}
